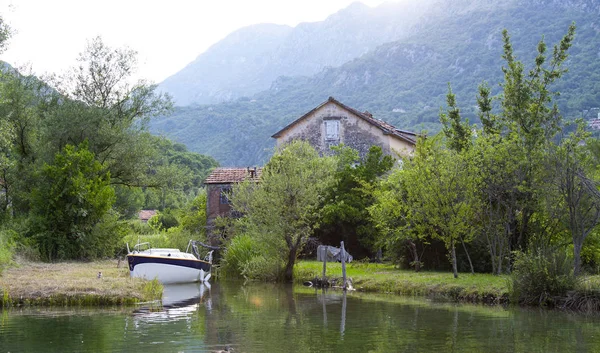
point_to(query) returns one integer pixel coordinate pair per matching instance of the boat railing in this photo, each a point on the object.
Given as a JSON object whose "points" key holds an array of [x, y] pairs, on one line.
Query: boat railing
{"points": [[141, 247], [193, 245]]}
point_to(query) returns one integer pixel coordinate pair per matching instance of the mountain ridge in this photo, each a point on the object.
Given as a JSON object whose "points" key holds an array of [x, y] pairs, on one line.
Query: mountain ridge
{"points": [[217, 75], [404, 82]]}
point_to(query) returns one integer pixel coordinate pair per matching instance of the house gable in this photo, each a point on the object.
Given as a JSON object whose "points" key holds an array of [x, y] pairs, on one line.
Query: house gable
{"points": [[332, 123]]}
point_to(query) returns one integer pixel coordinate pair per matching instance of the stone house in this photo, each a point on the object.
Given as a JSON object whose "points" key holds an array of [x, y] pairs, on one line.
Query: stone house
{"points": [[218, 188], [332, 123], [329, 124]]}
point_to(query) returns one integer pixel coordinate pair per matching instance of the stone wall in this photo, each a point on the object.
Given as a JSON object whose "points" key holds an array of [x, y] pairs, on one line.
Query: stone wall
{"points": [[353, 131]]}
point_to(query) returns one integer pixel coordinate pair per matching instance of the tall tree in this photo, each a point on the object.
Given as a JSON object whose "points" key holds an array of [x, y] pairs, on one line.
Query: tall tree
{"points": [[345, 210], [284, 206], [105, 108], [441, 196], [576, 200], [21, 123], [390, 213], [528, 112]]}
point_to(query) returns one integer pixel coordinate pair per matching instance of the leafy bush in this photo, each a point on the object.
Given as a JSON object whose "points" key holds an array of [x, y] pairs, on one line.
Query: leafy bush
{"points": [[173, 238], [163, 221], [239, 252], [179, 238], [540, 276], [156, 240], [139, 227], [106, 238], [246, 257], [7, 246]]}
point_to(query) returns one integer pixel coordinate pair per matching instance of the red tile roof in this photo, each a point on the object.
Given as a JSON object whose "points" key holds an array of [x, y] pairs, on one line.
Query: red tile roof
{"points": [[232, 175], [387, 129], [145, 215]]}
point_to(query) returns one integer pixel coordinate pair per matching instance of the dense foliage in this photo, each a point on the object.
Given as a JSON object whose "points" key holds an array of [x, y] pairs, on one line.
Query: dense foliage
{"points": [[282, 211], [77, 161], [520, 194]]}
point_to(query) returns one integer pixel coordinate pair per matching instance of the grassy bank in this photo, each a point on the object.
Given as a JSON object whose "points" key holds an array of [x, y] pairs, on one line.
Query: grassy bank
{"points": [[74, 284], [385, 278]]}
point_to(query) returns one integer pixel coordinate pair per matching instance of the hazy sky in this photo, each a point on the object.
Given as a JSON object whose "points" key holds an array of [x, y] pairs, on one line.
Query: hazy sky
{"points": [[167, 35]]}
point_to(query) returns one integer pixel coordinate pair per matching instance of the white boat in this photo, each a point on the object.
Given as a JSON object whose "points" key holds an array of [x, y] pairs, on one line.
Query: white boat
{"points": [[169, 265]]}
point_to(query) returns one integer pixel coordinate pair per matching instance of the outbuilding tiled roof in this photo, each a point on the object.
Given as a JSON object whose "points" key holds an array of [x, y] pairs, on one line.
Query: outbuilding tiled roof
{"points": [[387, 129], [145, 215], [233, 175]]}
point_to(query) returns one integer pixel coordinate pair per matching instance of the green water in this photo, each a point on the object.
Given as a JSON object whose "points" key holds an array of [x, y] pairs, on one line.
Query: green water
{"points": [[270, 318]]}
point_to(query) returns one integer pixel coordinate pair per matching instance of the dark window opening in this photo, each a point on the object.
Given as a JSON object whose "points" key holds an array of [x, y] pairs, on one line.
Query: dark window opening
{"points": [[225, 195]]}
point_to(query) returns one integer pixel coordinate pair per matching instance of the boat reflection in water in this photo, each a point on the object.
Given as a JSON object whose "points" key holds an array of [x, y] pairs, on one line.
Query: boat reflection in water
{"points": [[179, 302]]}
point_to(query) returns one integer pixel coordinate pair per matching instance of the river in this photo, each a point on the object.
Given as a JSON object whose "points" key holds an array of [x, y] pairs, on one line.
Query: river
{"points": [[278, 318]]}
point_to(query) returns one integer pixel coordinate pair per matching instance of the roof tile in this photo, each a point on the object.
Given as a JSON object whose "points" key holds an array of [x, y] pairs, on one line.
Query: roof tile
{"points": [[232, 175]]}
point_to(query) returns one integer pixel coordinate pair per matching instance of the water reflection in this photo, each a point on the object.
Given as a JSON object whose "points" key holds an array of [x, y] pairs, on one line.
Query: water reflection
{"points": [[179, 301], [274, 318]]}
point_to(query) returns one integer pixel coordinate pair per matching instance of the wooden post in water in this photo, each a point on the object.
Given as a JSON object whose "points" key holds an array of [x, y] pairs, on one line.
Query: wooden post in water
{"points": [[324, 257], [343, 321], [343, 257]]}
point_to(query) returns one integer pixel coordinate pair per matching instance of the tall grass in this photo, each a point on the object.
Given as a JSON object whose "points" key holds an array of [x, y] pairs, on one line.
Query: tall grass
{"points": [[541, 276], [246, 257]]}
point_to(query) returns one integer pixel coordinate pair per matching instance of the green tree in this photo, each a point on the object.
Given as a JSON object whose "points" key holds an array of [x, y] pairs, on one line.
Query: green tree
{"points": [[440, 196], [390, 213], [21, 123], [530, 116], [104, 108], [495, 162], [73, 196], [345, 213], [512, 146], [283, 209], [193, 216], [457, 132], [574, 194]]}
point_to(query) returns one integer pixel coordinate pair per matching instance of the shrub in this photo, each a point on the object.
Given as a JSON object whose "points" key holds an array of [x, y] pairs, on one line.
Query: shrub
{"points": [[7, 245], [239, 252], [540, 276], [179, 238], [246, 257], [106, 238], [138, 227]]}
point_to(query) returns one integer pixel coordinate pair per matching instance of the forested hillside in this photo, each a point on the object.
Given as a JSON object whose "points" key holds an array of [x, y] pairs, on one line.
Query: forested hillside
{"points": [[405, 82]]}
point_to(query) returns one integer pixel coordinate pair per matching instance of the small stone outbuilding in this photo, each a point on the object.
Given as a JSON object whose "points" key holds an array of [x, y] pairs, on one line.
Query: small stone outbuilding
{"points": [[219, 185]]}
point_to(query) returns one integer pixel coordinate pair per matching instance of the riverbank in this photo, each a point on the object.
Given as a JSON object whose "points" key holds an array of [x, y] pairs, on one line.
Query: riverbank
{"points": [[467, 288], [385, 278], [74, 284]]}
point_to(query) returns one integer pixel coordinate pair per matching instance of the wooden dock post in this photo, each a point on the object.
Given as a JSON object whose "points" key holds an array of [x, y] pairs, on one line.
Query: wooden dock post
{"points": [[324, 257], [343, 257]]}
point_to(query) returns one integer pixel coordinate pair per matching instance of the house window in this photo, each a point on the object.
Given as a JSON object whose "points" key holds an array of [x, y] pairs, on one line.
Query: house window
{"points": [[332, 130], [225, 194]]}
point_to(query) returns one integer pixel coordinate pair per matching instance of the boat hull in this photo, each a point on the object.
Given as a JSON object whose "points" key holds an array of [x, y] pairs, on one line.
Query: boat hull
{"points": [[167, 269]]}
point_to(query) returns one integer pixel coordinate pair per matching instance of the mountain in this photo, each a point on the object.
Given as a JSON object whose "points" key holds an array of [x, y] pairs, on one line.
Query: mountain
{"points": [[249, 59], [404, 82]]}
